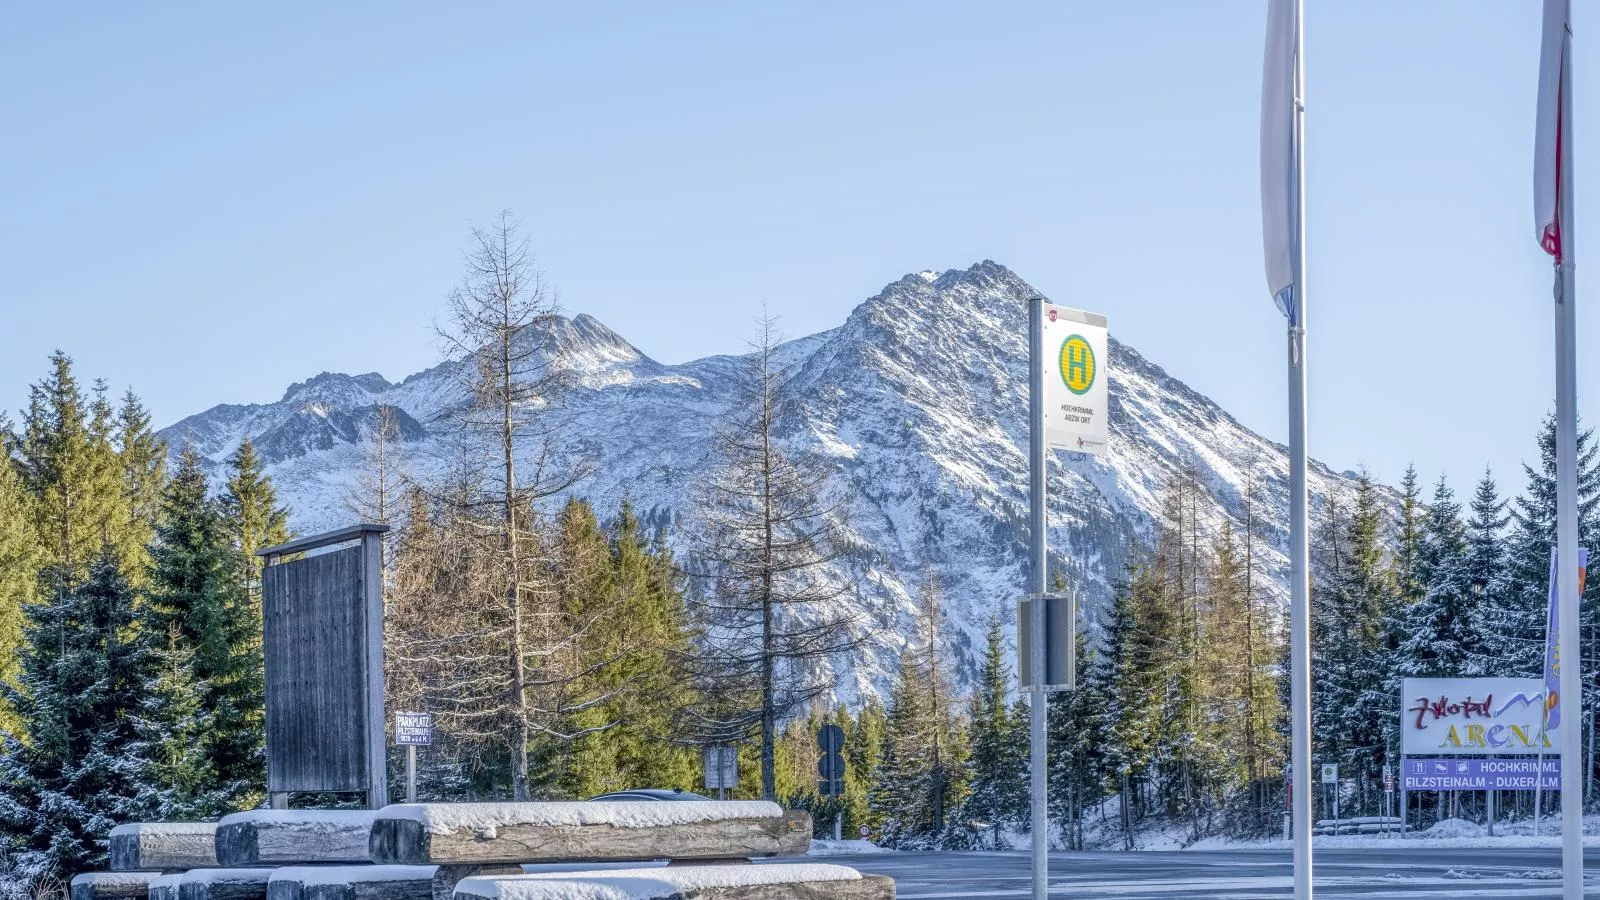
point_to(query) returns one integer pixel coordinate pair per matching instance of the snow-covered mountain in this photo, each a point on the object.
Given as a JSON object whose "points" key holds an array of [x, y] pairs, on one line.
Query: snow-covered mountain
{"points": [[917, 404]]}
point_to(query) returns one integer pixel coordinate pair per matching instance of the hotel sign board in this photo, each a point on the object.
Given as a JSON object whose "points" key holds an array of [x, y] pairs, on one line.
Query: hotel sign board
{"points": [[1474, 717]]}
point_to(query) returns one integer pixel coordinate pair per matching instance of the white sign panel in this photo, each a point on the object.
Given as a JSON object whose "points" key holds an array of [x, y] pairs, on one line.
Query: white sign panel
{"points": [[1473, 716], [1330, 773], [415, 728], [722, 768], [1077, 367]]}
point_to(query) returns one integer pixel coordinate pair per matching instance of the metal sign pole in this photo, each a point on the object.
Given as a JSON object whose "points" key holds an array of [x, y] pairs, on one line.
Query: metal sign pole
{"points": [[1038, 715], [411, 773]]}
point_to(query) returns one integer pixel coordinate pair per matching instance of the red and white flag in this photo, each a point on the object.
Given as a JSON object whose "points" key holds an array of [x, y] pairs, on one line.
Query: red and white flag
{"points": [[1555, 80]]}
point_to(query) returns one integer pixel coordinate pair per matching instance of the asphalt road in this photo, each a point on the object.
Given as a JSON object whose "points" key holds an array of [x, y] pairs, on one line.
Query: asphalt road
{"points": [[1511, 873]]}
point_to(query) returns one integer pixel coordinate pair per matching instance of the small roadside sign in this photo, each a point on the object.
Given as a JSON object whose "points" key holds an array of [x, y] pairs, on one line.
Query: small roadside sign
{"points": [[722, 768], [413, 728], [1330, 773], [1388, 781], [865, 832]]}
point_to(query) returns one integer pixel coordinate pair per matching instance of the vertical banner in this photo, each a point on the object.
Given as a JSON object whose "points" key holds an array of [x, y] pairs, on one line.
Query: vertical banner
{"points": [[1552, 634], [1075, 353]]}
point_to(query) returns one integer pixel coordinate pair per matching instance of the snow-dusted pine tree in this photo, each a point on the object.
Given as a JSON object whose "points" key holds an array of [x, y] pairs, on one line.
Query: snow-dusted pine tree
{"points": [[1439, 633], [997, 763], [67, 779]]}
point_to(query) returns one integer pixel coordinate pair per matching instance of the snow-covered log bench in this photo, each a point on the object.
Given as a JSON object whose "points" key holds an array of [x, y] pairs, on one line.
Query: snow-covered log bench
{"points": [[354, 883], [163, 846], [422, 834], [223, 884], [112, 885], [283, 837], [762, 882], [166, 887]]}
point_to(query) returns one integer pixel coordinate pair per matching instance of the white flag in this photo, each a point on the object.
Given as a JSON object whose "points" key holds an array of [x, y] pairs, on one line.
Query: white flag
{"points": [[1554, 77], [1278, 177]]}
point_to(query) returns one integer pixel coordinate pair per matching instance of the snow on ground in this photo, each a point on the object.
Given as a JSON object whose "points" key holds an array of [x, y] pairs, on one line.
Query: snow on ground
{"points": [[839, 848], [1450, 833]]}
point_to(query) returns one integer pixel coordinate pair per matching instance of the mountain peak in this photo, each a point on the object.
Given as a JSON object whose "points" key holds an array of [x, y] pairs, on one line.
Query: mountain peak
{"points": [[336, 386], [916, 408]]}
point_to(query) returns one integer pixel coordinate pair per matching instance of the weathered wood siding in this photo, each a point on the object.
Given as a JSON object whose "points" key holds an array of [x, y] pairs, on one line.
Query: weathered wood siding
{"points": [[314, 635]]}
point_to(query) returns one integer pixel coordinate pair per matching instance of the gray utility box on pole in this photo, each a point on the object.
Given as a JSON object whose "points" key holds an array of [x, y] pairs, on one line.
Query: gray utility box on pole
{"points": [[1061, 645], [322, 646]]}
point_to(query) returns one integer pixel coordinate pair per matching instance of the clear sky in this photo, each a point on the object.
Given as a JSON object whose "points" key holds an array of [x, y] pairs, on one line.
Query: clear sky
{"points": [[211, 201]]}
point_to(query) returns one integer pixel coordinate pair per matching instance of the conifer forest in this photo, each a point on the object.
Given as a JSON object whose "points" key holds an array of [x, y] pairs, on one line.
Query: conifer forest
{"points": [[566, 651]]}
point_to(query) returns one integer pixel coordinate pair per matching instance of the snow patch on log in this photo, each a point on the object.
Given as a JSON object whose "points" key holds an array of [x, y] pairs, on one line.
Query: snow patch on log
{"points": [[647, 884], [485, 819]]}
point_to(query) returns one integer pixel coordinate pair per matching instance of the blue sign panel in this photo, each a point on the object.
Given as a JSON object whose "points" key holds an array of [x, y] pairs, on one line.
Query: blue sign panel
{"points": [[1482, 774]]}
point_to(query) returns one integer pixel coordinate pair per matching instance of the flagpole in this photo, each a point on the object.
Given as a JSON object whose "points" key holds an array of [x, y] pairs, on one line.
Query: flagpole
{"points": [[1299, 546], [1569, 734]]}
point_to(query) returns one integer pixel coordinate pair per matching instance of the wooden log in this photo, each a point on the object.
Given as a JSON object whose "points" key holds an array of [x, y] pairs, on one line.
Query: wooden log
{"points": [[224, 884], [112, 885], [163, 846], [775, 882], [352, 883], [166, 887], [489, 833], [283, 837]]}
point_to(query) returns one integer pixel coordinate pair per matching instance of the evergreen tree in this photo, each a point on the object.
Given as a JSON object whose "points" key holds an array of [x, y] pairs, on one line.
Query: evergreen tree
{"points": [[251, 519], [997, 765], [1409, 583], [143, 458], [579, 755], [196, 594], [65, 782], [863, 753], [1487, 574], [19, 566], [167, 759], [71, 473], [900, 794], [1353, 707], [1440, 630], [1519, 616], [1077, 739]]}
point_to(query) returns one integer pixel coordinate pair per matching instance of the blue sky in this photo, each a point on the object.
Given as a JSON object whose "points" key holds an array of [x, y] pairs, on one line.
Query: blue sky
{"points": [[211, 201]]}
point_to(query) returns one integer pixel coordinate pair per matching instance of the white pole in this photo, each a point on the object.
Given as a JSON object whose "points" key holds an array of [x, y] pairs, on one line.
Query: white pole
{"points": [[1038, 712], [411, 773], [1299, 547], [1570, 730]]}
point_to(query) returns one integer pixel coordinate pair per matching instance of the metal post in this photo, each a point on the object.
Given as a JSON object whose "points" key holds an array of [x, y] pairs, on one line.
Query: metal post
{"points": [[377, 746], [411, 773], [1405, 799], [1566, 297], [1038, 709], [1299, 547], [838, 826]]}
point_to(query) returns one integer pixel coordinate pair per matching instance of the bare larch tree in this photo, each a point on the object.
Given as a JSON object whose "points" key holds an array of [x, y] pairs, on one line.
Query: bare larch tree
{"points": [[770, 608]]}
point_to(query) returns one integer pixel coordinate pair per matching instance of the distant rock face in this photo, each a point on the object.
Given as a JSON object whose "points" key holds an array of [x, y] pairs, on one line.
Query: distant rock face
{"points": [[917, 406]]}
